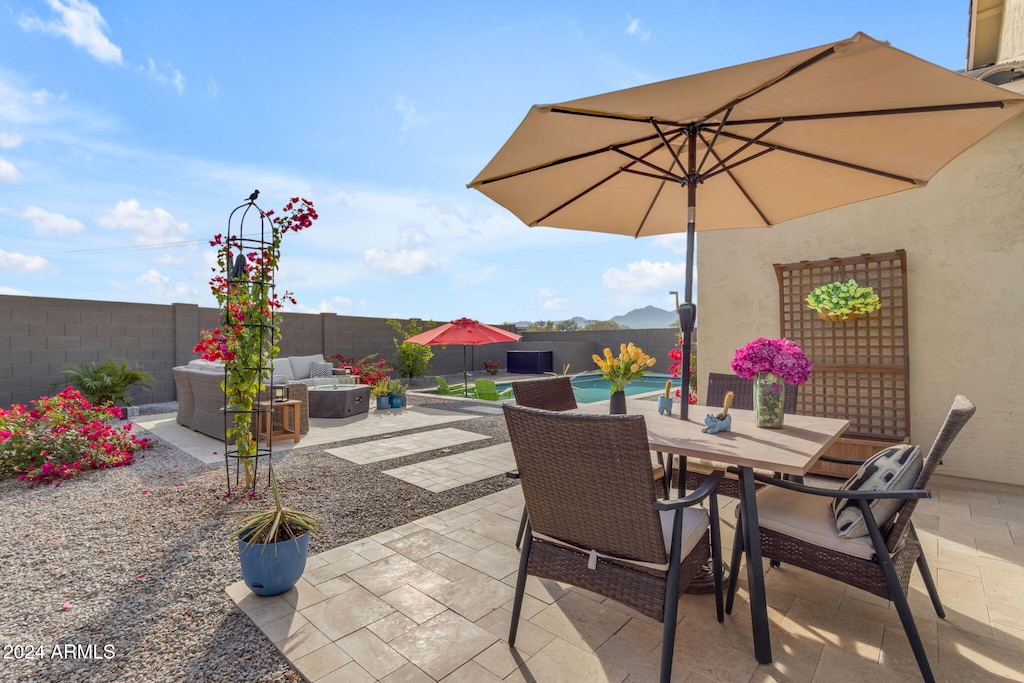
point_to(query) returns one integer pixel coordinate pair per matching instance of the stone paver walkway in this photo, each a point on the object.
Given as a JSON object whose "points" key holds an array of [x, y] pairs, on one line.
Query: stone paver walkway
{"points": [[447, 472], [409, 444]]}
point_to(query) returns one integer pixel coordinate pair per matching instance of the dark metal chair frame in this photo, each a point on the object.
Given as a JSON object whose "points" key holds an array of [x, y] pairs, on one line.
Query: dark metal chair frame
{"points": [[896, 546], [587, 483]]}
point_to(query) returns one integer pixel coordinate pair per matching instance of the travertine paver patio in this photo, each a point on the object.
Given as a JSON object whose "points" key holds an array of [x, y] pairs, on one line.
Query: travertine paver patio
{"points": [[447, 472], [409, 444], [430, 601]]}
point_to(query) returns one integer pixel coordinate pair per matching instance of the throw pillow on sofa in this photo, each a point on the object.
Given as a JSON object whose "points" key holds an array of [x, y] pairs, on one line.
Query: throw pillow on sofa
{"points": [[302, 365], [322, 370]]}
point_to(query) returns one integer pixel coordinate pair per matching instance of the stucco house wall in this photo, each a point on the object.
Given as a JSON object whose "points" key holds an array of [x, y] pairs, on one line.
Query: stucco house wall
{"points": [[964, 237]]}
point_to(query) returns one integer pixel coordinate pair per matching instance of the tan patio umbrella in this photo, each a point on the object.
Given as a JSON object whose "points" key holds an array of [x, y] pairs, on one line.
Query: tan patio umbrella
{"points": [[757, 144]]}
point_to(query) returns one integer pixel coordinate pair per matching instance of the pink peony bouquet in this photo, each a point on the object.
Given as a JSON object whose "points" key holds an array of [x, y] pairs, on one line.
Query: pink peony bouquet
{"points": [[781, 357]]}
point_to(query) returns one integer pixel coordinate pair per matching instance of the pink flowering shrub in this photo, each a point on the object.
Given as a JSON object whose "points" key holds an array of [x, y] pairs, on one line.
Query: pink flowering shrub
{"points": [[62, 435], [781, 357]]}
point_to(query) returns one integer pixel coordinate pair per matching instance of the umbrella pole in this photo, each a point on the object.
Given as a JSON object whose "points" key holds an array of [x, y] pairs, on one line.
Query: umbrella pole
{"points": [[688, 310], [465, 374]]}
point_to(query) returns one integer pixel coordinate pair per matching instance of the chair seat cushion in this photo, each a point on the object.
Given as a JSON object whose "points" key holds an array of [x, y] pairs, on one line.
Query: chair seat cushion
{"points": [[808, 518], [695, 524], [891, 469]]}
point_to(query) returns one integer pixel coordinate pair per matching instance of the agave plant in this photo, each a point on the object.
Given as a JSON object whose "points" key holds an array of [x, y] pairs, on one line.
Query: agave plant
{"points": [[107, 382], [275, 524]]}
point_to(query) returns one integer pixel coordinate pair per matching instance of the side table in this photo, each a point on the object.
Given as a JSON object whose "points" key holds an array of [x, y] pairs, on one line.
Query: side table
{"points": [[289, 420]]}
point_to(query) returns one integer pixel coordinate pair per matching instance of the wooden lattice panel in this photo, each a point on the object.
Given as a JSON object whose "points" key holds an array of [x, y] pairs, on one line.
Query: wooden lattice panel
{"points": [[860, 365]]}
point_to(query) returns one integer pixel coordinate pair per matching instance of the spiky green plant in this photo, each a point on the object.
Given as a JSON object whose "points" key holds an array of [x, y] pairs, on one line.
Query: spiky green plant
{"points": [[275, 524], [107, 382]]}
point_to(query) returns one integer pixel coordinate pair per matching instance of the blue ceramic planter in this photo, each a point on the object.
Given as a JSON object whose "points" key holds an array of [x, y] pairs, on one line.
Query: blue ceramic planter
{"points": [[273, 568], [383, 402], [397, 401]]}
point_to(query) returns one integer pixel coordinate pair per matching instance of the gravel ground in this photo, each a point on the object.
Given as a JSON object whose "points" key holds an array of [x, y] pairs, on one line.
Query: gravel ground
{"points": [[143, 553]]}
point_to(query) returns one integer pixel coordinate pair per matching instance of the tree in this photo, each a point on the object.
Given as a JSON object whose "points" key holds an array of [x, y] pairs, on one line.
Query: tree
{"points": [[413, 359], [569, 325]]}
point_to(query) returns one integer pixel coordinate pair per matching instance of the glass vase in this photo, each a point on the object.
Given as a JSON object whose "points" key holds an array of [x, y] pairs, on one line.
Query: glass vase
{"points": [[769, 400]]}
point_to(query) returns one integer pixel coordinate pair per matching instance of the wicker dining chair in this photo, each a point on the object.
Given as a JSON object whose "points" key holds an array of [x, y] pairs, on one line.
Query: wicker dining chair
{"points": [[550, 393], [556, 393], [797, 526], [596, 522]]}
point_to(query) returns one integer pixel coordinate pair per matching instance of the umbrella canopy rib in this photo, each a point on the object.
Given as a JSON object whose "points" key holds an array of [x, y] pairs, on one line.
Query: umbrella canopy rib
{"points": [[792, 71], [932, 109], [828, 160]]}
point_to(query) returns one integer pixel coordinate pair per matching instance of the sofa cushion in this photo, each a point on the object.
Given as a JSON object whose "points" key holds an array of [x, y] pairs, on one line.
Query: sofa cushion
{"points": [[205, 365], [302, 365], [283, 370], [891, 469]]}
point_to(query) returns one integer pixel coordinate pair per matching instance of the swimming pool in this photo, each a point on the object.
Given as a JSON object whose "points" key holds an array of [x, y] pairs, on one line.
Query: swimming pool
{"points": [[590, 388]]}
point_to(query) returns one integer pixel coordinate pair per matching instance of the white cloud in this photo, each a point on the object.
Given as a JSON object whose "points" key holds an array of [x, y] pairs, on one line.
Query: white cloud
{"points": [[401, 262], [336, 304], [148, 226], [160, 286], [675, 242], [410, 117], [8, 172], [645, 276], [8, 140], [414, 238], [165, 74], [11, 291], [634, 29], [81, 23], [22, 263], [550, 301], [46, 224]]}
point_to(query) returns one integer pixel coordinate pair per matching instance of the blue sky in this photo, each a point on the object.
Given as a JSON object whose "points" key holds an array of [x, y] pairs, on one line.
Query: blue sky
{"points": [[129, 131]]}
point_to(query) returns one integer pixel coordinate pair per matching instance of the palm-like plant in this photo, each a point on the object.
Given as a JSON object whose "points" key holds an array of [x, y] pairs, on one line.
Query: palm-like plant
{"points": [[107, 382], [275, 524]]}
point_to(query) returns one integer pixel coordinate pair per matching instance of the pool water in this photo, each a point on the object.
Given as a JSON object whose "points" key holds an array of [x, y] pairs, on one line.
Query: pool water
{"points": [[591, 388]]}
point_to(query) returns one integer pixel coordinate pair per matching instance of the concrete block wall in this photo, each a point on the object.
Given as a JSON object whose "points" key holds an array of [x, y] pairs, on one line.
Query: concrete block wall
{"points": [[41, 336]]}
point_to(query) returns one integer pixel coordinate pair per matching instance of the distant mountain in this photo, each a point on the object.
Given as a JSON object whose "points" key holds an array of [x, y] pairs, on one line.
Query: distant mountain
{"points": [[638, 319], [648, 317]]}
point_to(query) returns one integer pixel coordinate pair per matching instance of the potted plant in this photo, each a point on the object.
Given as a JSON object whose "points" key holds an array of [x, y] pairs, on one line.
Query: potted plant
{"points": [[837, 301], [273, 545], [492, 367], [107, 383], [381, 390], [397, 391], [771, 363], [631, 363]]}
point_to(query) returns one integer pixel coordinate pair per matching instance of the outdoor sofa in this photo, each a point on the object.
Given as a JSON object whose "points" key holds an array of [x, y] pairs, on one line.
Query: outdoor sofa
{"points": [[201, 398]]}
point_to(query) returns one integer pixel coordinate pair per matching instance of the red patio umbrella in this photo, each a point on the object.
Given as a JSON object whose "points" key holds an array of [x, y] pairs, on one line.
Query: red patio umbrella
{"points": [[466, 332]]}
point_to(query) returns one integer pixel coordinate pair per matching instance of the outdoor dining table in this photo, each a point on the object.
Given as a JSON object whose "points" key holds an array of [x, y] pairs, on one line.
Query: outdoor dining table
{"points": [[792, 450]]}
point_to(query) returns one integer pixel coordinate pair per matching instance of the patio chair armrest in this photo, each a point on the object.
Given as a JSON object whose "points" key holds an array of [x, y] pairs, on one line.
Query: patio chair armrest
{"points": [[707, 488], [840, 461], [905, 494]]}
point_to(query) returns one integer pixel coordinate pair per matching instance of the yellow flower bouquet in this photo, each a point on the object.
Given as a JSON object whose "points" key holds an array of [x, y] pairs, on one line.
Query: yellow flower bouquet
{"points": [[631, 363]]}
